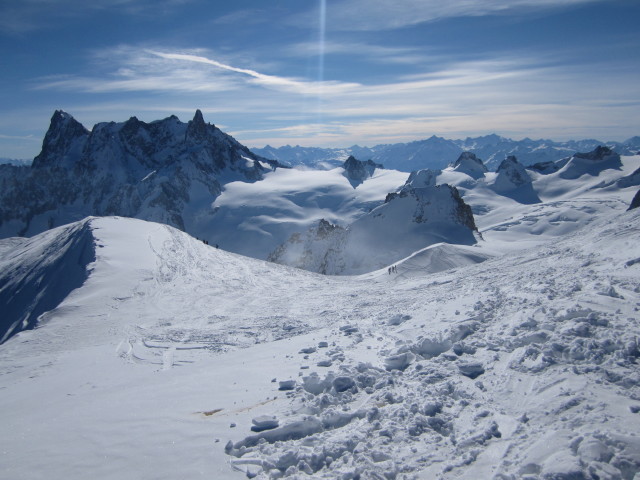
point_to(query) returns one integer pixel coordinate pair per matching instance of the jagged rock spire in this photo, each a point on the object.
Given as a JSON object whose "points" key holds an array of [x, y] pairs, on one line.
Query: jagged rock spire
{"points": [[197, 128], [63, 141], [358, 171]]}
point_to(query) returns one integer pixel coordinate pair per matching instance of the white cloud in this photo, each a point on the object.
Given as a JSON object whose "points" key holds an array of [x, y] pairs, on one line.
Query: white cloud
{"points": [[511, 95], [372, 15], [137, 69], [270, 81], [367, 51]]}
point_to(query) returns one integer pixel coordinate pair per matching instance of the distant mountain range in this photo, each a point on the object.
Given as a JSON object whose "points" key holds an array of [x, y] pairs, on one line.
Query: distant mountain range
{"points": [[437, 152], [15, 161], [350, 219]]}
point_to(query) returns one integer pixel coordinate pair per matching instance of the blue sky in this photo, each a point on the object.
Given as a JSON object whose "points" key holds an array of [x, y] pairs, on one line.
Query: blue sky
{"points": [[324, 72]]}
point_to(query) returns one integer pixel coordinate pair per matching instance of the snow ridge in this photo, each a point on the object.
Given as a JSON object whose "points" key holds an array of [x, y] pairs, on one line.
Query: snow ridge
{"points": [[55, 265]]}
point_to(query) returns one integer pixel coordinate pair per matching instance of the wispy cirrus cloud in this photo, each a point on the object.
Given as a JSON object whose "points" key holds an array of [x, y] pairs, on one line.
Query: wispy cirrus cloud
{"points": [[360, 50], [141, 69], [525, 95], [23, 16], [372, 15], [269, 81]]}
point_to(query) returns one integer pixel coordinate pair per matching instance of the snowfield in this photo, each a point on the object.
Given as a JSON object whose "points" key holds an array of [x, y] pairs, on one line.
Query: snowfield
{"points": [[167, 358]]}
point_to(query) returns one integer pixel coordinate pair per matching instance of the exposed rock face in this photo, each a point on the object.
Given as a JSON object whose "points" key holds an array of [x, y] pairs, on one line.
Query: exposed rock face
{"points": [[316, 250], [357, 171], [511, 174], [468, 163], [164, 171], [63, 142], [635, 203], [441, 203]]}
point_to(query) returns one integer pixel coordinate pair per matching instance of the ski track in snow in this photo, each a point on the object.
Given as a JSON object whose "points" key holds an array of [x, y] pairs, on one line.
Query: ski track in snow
{"points": [[523, 366]]}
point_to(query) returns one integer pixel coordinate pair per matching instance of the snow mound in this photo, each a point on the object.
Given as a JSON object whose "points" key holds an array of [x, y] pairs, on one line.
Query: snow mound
{"points": [[441, 257]]}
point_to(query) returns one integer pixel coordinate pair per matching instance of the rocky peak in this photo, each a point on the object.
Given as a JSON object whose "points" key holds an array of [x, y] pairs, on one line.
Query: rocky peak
{"points": [[326, 228], [444, 201], [63, 142], [358, 171], [131, 168], [435, 203], [511, 174], [197, 128], [601, 152], [468, 163]]}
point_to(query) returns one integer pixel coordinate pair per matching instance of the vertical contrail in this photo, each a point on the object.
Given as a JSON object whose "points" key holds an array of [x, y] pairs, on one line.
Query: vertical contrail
{"points": [[321, 39]]}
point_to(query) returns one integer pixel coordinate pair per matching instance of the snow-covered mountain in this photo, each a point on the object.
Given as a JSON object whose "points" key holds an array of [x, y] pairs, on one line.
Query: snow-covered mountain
{"points": [[408, 221], [195, 177], [437, 152], [167, 171], [434, 207]]}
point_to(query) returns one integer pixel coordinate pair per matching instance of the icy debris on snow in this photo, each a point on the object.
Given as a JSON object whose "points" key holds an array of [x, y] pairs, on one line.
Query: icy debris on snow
{"points": [[348, 329], [264, 422], [343, 383], [429, 348], [471, 370], [292, 431], [399, 361], [287, 385], [398, 319], [611, 292]]}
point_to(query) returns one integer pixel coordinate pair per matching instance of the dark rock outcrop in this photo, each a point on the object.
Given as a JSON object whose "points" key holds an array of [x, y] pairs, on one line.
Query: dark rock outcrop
{"points": [[635, 203], [358, 171]]}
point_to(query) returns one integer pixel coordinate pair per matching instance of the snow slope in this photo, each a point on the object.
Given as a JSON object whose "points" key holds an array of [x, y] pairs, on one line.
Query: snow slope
{"points": [[522, 366]]}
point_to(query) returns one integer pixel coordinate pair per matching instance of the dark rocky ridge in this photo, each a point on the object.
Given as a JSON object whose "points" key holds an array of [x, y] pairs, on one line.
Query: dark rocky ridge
{"points": [[153, 171]]}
